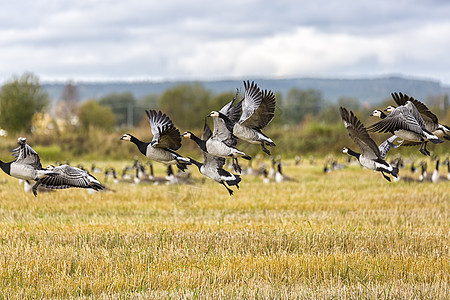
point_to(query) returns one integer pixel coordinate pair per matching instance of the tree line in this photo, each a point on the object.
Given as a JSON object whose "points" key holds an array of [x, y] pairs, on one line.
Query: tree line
{"points": [[22, 97]]}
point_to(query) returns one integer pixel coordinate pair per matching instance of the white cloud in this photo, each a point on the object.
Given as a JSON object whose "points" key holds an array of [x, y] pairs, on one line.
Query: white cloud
{"points": [[196, 39]]}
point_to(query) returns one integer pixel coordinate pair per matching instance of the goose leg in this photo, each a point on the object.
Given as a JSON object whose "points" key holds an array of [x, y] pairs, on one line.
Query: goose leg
{"points": [[386, 177], [423, 149], [236, 166], [230, 191], [34, 188], [267, 151]]}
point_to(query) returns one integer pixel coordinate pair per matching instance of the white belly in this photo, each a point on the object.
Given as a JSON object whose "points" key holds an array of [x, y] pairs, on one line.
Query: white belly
{"points": [[408, 136]]}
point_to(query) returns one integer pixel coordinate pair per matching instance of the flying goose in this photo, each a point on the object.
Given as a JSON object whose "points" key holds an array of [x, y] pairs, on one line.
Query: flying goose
{"points": [[166, 140], [221, 142], [212, 166], [27, 165], [431, 120], [406, 123], [258, 110], [68, 177], [371, 156]]}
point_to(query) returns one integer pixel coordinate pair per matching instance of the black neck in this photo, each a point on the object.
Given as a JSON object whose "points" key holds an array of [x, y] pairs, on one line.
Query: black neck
{"points": [[383, 115], [353, 153], [201, 143], [141, 145], [198, 164], [6, 167]]}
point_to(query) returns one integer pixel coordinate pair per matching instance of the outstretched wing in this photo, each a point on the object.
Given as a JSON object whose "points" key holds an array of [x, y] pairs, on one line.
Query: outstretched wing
{"points": [[252, 100], [222, 130], [359, 134], [233, 112], [428, 116], [399, 118], [165, 134], [68, 177], [387, 145], [264, 113], [26, 155]]}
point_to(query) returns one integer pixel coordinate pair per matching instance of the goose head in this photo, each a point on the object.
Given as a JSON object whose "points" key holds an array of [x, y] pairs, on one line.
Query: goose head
{"points": [[214, 114], [126, 137], [345, 150], [377, 113], [390, 108], [187, 134], [21, 140]]}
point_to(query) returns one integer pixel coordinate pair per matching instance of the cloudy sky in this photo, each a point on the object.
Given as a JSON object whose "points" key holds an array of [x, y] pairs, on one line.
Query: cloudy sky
{"points": [[182, 39]]}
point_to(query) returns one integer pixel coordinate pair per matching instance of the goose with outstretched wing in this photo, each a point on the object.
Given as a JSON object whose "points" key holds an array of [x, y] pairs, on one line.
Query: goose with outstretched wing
{"points": [[371, 156], [166, 140]]}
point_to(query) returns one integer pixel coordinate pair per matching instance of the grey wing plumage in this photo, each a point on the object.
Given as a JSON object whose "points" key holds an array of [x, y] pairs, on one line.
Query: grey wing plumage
{"points": [[387, 145], [212, 162], [26, 155], [399, 118], [424, 111], [252, 100], [359, 134], [233, 112], [264, 113], [165, 134], [68, 177], [206, 132], [222, 133]]}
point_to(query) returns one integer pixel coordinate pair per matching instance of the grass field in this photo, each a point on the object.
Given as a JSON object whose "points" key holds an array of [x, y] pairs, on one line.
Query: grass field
{"points": [[347, 234]]}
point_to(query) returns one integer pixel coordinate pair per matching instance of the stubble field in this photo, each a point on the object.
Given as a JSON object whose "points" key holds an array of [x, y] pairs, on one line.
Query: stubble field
{"points": [[346, 234]]}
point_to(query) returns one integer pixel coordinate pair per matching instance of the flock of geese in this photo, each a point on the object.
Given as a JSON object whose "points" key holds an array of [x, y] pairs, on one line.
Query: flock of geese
{"points": [[411, 121]]}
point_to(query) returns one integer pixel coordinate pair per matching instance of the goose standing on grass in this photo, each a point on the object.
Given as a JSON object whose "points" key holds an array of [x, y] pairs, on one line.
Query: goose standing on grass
{"points": [[371, 156], [166, 140], [258, 110], [431, 120], [27, 165], [212, 166]]}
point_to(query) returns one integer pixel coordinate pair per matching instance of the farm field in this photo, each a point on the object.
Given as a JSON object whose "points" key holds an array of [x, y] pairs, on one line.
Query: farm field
{"points": [[347, 234]]}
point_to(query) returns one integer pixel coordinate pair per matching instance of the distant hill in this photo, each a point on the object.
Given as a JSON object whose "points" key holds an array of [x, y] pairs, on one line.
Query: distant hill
{"points": [[366, 90]]}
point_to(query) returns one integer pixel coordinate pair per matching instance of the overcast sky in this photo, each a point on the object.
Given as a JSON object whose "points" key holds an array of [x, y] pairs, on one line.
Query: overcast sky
{"points": [[182, 39]]}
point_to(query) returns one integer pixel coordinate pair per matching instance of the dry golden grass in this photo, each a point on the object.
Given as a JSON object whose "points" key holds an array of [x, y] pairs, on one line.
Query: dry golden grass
{"points": [[347, 234]]}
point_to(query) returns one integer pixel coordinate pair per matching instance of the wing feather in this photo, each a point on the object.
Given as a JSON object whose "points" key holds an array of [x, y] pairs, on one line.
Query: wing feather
{"points": [[252, 100], [165, 134], [359, 134]]}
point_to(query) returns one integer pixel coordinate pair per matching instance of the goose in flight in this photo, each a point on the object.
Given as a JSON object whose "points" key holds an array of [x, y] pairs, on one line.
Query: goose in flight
{"points": [[431, 120], [212, 166], [68, 177], [166, 140], [258, 110], [222, 142], [406, 123], [371, 156], [27, 165]]}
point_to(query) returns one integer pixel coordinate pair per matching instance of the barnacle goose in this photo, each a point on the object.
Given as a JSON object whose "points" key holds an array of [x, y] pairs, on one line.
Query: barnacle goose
{"points": [[212, 166], [222, 142], [68, 177], [258, 110], [166, 140], [406, 123], [430, 119], [371, 156], [27, 165]]}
